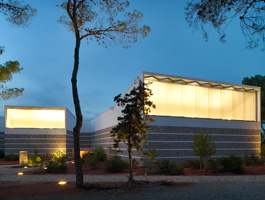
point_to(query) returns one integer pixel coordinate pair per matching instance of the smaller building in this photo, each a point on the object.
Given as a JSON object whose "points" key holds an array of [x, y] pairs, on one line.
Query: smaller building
{"points": [[48, 129]]}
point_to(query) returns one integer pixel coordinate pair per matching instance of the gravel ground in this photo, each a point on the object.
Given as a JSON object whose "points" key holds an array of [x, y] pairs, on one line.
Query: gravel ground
{"points": [[198, 191], [194, 187]]}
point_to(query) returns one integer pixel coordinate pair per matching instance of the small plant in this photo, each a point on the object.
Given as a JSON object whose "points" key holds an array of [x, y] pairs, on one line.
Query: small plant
{"points": [[116, 164], [165, 182], [89, 158], [203, 146], [169, 168], [34, 159], [193, 164], [58, 163], [100, 154], [262, 151], [232, 164], [11, 157], [2, 155], [251, 160], [212, 165]]}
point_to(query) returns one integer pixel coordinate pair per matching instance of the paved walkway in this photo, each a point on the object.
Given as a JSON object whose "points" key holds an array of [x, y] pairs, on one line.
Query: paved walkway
{"points": [[10, 174]]}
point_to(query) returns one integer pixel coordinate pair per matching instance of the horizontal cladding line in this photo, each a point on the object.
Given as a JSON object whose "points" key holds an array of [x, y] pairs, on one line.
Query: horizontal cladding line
{"points": [[93, 134], [36, 139], [223, 149], [195, 157], [46, 134], [104, 143], [208, 134], [96, 139], [38, 148], [192, 142], [35, 143], [128, 156]]}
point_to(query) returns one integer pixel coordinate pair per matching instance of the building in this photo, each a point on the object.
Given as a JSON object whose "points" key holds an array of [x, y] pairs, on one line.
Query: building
{"points": [[230, 113]]}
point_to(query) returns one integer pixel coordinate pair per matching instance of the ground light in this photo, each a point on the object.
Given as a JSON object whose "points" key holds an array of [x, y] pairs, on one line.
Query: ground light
{"points": [[62, 182], [20, 173]]}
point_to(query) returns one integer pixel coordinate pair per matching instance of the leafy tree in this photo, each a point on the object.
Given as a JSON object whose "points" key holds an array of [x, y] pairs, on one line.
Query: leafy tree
{"points": [[259, 81], [107, 22], [6, 74], [218, 14], [132, 126], [203, 146], [18, 14]]}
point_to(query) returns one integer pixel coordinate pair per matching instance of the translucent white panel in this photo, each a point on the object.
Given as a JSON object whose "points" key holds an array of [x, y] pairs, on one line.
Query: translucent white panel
{"points": [[34, 118], [214, 103], [238, 105], [249, 106], [202, 102], [227, 103], [159, 98], [174, 99], [189, 94], [205, 101]]}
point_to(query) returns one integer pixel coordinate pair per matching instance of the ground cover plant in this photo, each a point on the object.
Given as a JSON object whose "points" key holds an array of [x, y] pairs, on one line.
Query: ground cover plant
{"points": [[116, 164], [11, 157], [170, 168], [58, 163]]}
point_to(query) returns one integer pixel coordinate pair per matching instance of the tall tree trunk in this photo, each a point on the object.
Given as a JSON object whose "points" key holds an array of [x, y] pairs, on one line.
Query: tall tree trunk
{"points": [[130, 160], [79, 117]]}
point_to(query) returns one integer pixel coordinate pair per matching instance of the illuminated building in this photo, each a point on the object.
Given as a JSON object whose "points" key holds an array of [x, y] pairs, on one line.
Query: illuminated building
{"points": [[230, 113]]}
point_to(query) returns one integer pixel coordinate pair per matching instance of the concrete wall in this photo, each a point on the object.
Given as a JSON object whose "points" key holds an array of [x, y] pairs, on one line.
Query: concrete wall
{"points": [[2, 134], [45, 140], [172, 137]]}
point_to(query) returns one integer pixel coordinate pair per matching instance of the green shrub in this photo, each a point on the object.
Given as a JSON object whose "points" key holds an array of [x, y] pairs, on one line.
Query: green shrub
{"points": [[2, 155], [58, 163], [262, 151], [170, 168], [251, 160], [116, 164], [100, 154], [34, 159], [232, 164], [11, 157], [89, 158], [212, 165], [193, 164]]}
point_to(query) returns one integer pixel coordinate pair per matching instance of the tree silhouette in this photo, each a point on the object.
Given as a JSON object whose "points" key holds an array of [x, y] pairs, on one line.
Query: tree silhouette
{"points": [[132, 126], [218, 14], [18, 14], [106, 22], [259, 81]]}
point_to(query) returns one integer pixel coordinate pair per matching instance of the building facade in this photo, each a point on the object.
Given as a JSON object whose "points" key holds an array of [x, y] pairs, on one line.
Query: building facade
{"points": [[230, 113]]}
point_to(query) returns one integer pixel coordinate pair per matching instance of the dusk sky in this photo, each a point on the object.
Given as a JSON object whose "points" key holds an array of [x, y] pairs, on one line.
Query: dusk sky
{"points": [[45, 51]]}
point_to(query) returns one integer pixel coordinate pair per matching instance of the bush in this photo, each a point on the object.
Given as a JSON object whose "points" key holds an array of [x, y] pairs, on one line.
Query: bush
{"points": [[89, 158], [100, 154], [169, 168], [212, 165], [2, 155], [232, 164], [251, 160], [58, 163], [11, 157], [193, 164], [116, 164], [34, 159]]}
